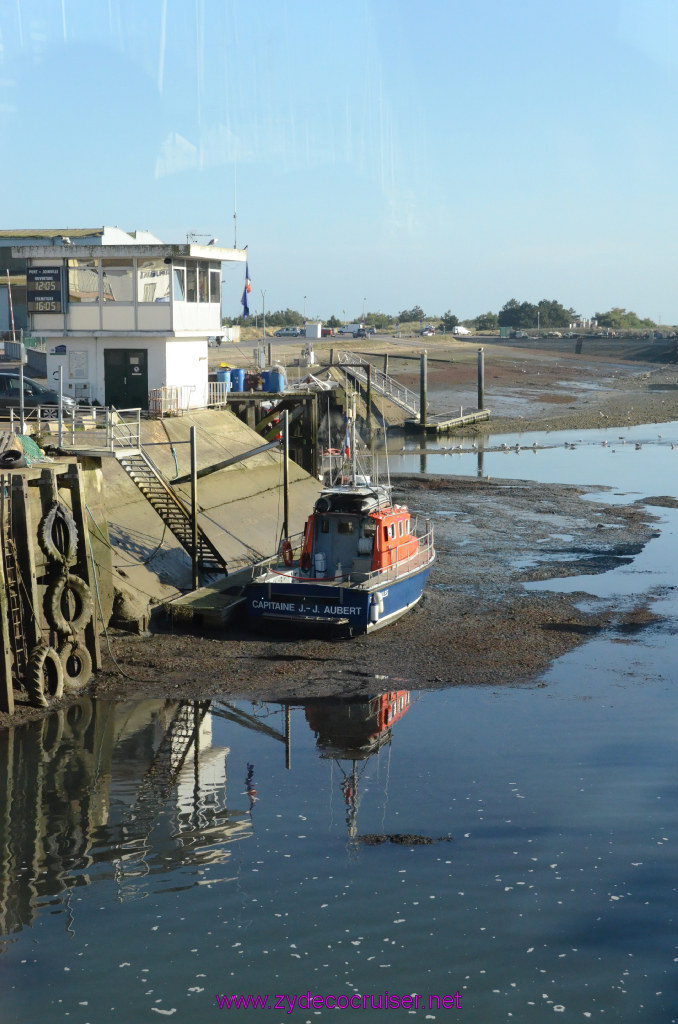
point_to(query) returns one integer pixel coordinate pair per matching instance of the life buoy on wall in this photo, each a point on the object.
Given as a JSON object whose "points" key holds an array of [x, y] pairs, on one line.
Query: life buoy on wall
{"points": [[57, 604], [44, 676], [287, 553], [58, 534]]}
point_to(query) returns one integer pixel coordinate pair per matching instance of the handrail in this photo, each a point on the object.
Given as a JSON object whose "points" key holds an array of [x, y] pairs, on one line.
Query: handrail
{"points": [[423, 555], [381, 382]]}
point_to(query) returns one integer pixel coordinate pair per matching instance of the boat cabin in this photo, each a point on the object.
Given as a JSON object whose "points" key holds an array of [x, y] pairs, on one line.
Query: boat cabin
{"points": [[349, 534]]}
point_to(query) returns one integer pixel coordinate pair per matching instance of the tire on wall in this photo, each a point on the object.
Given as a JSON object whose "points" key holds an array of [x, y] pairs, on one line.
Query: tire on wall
{"points": [[76, 662], [57, 604], [44, 676], [58, 534]]}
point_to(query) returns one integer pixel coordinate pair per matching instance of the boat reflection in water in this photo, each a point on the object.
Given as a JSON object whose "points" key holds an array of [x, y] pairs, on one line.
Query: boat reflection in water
{"points": [[105, 791], [353, 730]]}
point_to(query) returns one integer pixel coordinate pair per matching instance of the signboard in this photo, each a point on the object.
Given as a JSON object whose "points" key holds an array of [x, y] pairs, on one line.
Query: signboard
{"points": [[43, 289]]}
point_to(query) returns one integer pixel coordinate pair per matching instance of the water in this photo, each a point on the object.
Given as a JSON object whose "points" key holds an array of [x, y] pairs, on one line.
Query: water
{"points": [[134, 882]]}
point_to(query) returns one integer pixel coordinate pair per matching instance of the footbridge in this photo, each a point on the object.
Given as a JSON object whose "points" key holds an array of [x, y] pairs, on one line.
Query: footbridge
{"points": [[357, 367]]}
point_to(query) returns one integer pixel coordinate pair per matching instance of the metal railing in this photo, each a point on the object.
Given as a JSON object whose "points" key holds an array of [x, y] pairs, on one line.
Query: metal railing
{"points": [[422, 556], [217, 393], [380, 382]]}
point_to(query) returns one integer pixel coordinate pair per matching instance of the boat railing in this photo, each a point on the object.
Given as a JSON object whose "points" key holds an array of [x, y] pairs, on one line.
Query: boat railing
{"points": [[421, 557]]}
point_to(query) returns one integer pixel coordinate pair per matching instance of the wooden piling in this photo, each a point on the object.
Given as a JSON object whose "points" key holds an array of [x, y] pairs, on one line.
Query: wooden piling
{"points": [[481, 378], [422, 390]]}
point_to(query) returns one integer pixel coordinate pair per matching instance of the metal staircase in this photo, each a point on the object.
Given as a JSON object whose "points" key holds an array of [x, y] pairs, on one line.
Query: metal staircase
{"points": [[352, 364], [172, 510]]}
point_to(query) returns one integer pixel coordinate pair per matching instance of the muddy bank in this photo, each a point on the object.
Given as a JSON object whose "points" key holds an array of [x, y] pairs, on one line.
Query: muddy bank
{"points": [[550, 388], [476, 624]]}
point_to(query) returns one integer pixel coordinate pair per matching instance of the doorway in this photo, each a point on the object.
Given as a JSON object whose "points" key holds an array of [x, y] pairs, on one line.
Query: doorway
{"points": [[126, 377]]}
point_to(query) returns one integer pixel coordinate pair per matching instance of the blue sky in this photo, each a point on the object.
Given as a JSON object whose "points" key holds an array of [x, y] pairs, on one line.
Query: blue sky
{"points": [[452, 154]]}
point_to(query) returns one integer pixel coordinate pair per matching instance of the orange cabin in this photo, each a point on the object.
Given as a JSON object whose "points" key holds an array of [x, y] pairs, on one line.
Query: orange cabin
{"points": [[393, 540]]}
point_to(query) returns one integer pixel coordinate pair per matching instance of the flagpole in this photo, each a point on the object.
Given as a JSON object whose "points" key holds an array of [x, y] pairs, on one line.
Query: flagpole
{"points": [[235, 213]]}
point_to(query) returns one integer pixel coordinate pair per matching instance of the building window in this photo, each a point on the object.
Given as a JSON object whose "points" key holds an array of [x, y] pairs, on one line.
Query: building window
{"points": [[215, 284], [153, 281], [117, 279], [83, 281], [179, 282], [204, 281], [191, 281]]}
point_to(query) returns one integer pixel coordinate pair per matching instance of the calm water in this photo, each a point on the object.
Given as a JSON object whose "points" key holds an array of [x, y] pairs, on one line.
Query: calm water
{"points": [[144, 871]]}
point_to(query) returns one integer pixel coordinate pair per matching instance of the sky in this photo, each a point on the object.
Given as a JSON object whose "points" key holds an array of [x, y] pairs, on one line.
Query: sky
{"points": [[452, 154]]}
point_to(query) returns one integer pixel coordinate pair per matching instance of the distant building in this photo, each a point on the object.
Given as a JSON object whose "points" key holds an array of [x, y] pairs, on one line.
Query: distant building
{"points": [[121, 312], [583, 323]]}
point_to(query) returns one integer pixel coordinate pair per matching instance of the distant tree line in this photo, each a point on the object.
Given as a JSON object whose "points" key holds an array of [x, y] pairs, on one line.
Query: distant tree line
{"points": [[547, 314]]}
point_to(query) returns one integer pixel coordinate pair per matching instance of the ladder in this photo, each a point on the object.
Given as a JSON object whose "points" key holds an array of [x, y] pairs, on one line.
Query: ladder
{"points": [[172, 510], [355, 366]]}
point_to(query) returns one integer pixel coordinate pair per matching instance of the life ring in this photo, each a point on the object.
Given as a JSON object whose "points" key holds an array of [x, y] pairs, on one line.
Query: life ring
{"points": [[287, 553], [44, 676], [57, 604], [58, 534], [76, 662]]}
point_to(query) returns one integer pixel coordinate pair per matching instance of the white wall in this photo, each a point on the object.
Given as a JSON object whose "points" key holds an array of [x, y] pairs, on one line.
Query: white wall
{"points": [[186, 366]]}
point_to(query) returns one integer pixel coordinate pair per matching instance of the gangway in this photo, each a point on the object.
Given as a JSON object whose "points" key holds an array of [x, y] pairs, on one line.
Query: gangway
{"points": [[355, 366]]}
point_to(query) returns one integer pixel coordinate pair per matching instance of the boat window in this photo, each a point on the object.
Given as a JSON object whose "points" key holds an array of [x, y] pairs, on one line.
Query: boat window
{"points": [[400, 528], [407, 526], [369, 528], [324, 526], [389, 531], [345, 526]]}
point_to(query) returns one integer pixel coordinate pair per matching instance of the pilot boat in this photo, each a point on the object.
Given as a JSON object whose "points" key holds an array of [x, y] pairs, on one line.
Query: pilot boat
{"points": [[360, 563]]}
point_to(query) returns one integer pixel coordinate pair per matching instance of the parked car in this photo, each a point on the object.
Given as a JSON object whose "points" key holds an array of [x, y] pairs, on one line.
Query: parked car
{"points": [[34, 394], [428, 332], [288, 332], [326, 332], [360, 333]]}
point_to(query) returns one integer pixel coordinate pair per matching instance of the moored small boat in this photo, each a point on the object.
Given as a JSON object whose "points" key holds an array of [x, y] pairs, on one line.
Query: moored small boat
{"points": [[360, 563]]}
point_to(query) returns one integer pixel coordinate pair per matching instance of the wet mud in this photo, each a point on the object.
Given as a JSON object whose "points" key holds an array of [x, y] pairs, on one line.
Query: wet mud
{"points": [[476, 623]]}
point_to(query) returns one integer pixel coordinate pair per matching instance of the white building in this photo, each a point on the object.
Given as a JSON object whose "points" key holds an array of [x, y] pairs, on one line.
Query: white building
{"points": [[123, 313]]}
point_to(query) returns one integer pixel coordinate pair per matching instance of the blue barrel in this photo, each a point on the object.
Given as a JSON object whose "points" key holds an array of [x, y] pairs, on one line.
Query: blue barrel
{"points": [[224, 377], [265, 380], [238, 380], [278, 379]]}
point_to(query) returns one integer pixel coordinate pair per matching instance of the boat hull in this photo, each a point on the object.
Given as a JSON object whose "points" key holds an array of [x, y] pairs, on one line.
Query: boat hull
{"points": [[331, 609]]}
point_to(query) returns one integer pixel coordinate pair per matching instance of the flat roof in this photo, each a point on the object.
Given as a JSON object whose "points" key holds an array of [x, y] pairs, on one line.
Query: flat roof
{"points": [[162, 250]]}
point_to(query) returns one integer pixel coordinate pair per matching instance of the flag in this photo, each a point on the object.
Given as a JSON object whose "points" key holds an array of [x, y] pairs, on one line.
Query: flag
{"points": [[347, 438], [245, 292]]}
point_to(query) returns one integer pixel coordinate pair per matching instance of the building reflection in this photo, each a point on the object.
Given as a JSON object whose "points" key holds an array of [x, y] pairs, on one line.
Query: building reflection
{"points": [[71, 812], [352, 730]]}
